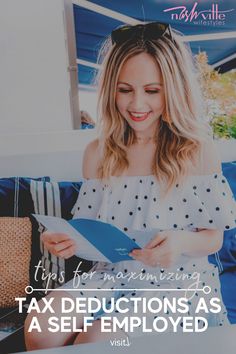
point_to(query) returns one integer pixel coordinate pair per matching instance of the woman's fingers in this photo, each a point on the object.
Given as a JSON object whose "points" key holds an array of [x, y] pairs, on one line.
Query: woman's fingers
{"points": [[161, 256], [156, 240], [143, 255], [152, 257], [64, 252], [67, 253], [60, 245], [54, 237]]}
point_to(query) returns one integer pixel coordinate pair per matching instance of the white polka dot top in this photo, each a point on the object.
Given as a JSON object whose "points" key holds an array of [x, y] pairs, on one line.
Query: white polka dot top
{"points": [[135, 203]]}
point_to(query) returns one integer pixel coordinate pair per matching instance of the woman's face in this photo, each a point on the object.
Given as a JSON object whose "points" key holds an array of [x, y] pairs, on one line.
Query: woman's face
{"points": [[140, 94]]}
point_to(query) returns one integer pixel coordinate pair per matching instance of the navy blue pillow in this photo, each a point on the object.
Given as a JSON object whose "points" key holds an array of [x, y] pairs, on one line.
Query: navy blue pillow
{"points": [[226, 257], [15, 196], [69, 192], [228, 286]]}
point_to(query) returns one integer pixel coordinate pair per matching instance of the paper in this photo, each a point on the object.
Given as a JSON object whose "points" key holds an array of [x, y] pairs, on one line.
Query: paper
{"points": [[95, 240]]}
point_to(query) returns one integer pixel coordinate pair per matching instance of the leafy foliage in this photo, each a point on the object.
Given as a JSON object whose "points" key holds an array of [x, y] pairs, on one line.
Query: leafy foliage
{"points": [[220, 93]]}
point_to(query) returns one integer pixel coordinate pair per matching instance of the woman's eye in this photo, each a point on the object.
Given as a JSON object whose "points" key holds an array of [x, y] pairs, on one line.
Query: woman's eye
{"points": [[122, 90], [152, 91], [126, 90]]}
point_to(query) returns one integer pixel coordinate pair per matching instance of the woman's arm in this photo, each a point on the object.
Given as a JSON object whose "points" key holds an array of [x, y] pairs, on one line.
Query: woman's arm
{"points": [[166, 248], [60, 245], [203, 243]]}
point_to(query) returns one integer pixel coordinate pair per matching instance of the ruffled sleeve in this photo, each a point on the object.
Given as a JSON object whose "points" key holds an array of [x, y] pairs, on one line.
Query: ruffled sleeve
{"points": [[90, 197], [136, 203], [212, 202]]}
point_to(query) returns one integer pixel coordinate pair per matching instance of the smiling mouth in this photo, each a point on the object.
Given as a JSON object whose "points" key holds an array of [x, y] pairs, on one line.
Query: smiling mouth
{"points": [[138, 116]]}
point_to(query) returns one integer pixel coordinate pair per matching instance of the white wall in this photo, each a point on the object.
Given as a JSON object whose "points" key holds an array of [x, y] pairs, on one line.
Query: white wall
{"points": [[57, 154], [34, 82]]}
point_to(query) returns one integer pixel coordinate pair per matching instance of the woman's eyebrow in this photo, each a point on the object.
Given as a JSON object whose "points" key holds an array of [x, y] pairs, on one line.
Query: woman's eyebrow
{"points": [[149, 84], [124, 83], [154, 83]]}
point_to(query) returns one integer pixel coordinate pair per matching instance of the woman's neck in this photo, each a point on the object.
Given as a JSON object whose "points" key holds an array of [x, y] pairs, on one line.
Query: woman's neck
{"points": [[144, 140], [146, 137]]}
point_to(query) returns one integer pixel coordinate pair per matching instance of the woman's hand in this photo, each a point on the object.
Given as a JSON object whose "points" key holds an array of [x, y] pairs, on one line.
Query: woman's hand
{"points": [[164, 250], [60, 245]]}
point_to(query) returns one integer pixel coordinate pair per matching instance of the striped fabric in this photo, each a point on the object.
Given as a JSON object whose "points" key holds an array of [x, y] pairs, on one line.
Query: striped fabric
{"points": [[46, 199], [15, 197]]}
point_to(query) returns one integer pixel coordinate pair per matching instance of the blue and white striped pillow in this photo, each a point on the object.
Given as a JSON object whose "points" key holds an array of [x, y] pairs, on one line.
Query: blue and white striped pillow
{"points": [[15, 197], [54, 199], [46, 199]]}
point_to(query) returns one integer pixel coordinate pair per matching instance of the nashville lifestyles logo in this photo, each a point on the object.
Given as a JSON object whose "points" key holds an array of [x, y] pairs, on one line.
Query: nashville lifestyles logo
{"points": [[212, 16]]}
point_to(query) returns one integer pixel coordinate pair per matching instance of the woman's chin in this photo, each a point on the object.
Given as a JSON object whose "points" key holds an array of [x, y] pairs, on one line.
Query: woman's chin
{"points": [[144, 126]]}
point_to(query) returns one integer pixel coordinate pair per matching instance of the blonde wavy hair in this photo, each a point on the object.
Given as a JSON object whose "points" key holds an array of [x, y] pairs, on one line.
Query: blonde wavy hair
{"points": [[181, 130]]}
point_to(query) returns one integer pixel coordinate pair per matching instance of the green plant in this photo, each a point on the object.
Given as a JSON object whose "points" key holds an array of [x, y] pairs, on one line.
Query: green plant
{"points": [[224, 126], [219, 91]]}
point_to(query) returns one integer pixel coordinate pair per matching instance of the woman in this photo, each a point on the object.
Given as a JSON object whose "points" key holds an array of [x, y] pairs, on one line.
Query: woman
{"points": [[153, 166]]}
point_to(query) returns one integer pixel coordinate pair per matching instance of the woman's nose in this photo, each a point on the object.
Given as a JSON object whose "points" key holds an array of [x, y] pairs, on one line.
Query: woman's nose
{"points": [[138, 100]]}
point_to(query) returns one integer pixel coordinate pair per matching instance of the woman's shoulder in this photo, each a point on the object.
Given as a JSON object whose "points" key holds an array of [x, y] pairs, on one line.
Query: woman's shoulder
{"points": [[208, 162], [91, 159]]}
